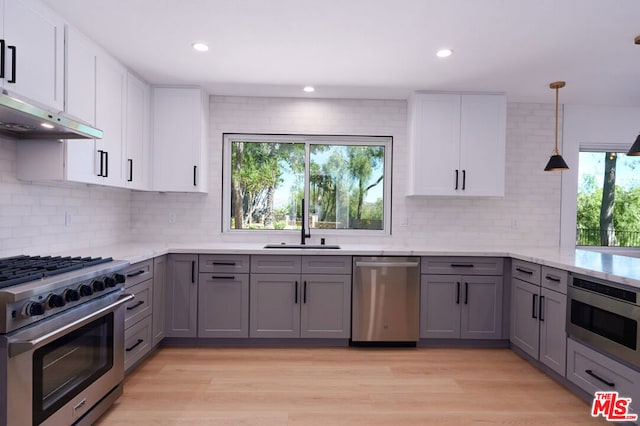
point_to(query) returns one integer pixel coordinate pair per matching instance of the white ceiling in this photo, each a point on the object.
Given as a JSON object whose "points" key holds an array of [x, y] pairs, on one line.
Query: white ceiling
{"points": [[376, 48]]}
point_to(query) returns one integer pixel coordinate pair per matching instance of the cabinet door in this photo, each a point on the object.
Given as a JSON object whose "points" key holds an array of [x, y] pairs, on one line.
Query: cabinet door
{"points": [[223, 305], [82, 56], [553, 339], [481, 300], [482, 145], [159, 295], [38, 36], [111, 86], [275, 305], [136, 158], [181, 314], [435, 143], [326, 306], [440, 304], [525, 331]]}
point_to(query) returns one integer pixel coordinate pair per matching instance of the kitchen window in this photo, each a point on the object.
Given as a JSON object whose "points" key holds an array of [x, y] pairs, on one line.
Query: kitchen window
{"points": [[344, 182], [608, 210]]}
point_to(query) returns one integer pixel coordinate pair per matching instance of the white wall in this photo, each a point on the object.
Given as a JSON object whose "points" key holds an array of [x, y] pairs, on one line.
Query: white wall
{"points": [[32, 216], [528, 215]]}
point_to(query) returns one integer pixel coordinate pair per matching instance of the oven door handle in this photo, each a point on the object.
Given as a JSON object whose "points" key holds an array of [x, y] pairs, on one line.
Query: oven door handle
{"points": [[20, 346]]}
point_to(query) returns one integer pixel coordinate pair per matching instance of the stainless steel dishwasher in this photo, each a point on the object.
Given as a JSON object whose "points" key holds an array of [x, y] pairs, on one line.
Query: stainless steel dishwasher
{"points": [[386, 299]]}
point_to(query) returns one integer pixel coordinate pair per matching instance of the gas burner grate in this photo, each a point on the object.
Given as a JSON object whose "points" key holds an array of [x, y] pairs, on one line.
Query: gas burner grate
{"points": [[20, 269]]}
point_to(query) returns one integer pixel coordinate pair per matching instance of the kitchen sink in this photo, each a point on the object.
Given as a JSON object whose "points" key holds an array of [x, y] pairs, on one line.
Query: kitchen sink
{"points": [[302, 246]]}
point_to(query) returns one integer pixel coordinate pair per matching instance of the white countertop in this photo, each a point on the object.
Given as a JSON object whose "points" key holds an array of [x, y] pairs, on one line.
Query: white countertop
{"points": [[616, 268]]}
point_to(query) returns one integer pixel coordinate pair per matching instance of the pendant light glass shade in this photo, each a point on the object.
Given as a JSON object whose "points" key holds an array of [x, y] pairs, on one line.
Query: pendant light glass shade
{"points": [[635, 148], [556, 162]]}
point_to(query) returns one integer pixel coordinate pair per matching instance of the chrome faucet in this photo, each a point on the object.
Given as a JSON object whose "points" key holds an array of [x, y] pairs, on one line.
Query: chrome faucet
{"points": [[303, 232]]}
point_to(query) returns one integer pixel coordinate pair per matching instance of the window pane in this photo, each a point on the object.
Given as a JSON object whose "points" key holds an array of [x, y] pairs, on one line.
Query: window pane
{"points": [[608, 212], [267, 185], [346, 186]]}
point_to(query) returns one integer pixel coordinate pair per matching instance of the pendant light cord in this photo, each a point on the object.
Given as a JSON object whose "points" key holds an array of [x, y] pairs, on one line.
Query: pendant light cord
{"points": [[555, 151]]}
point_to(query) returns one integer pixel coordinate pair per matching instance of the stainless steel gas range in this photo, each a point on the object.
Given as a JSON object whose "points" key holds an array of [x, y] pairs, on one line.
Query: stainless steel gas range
{"points": [[61, 338]]}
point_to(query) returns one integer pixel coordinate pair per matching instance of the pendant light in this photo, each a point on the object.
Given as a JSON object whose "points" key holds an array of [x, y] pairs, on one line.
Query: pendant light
{"points": [[635, 148], [556, 162]]}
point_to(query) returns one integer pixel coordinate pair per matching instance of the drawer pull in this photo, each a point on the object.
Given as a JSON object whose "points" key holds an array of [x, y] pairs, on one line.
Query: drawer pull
{"points": [[131, 308], [224, 263], [220, 277], [135, 274], [135, 345], [524, 271], [595, 376], [551, 278], [462, 265]]}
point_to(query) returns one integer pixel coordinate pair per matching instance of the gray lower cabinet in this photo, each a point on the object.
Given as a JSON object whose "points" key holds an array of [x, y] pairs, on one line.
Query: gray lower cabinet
{"points": [[538, 313], [223, 305], [181, 297], [138, 312], [461, 306], [286, 303], [159, 294]]}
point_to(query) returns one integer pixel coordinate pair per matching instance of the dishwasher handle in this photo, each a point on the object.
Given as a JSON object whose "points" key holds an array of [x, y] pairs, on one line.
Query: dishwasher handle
{"points": [[388, 264]]}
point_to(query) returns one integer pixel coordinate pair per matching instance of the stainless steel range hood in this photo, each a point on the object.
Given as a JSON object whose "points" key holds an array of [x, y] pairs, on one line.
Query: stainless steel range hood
{"points": [[21, 120]]}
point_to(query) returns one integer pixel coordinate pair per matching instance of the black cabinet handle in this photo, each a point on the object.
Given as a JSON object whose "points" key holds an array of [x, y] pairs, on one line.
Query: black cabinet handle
{"points": [[554, 279], [135, 345], [130, 160], [466, 293], [304, 293], [131, 308], [462, 265], [224, 263], [2, 47], [456, 179], [296, 296], [458, 293], [533, 306], [193, 271], [106, 164], [540, 308], [101, 152], [14, 57], [464, 179], [135, 274], [595, 376], [524, 271], [195, 172], [223, 277]]}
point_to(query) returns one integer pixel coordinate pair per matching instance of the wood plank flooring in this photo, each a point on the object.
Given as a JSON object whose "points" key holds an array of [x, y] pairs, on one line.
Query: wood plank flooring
{"points": [[343, 386]]}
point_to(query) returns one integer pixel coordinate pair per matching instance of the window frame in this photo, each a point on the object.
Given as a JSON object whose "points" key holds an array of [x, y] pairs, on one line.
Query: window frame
{"points": [[307, 140]]}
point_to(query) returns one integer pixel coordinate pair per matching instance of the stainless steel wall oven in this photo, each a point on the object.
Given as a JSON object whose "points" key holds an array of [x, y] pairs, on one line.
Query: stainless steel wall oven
{"points": [[62, 344], [605, 315]]}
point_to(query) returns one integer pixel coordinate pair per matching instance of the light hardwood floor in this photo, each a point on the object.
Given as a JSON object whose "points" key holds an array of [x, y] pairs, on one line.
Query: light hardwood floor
{"points": [[343, 386]]}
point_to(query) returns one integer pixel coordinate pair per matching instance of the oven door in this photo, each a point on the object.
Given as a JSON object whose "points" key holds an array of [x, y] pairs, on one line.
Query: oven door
{"points": [[59, 369], [606, 323]]}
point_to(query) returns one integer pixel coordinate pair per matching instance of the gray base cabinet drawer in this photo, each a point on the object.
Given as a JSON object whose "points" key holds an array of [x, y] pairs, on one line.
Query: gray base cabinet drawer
{"points": [[554, 279], [593, 371], [445, 265], [141, 305], [137, 342], [275, 264], [526, 271], [139, 272], [225, 263], [326, 265]]}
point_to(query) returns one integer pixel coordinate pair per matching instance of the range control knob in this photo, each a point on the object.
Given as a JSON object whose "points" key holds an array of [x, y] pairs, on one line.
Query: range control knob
{"points": [[119, 278], [32, 309], [84, 290], [55, 301], [71, 295], [109, 282], [97, 285]]}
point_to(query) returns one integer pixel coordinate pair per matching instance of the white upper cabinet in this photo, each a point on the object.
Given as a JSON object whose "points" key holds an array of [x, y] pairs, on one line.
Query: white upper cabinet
{"points": [[180, 127], [457, 144], [33, 44], [138, 125]]}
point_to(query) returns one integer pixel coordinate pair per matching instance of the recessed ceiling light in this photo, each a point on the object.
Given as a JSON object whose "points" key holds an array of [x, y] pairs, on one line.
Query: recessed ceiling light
{"points": [[47, 125], [444, 53], [199, 46], [309, 89]]}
